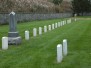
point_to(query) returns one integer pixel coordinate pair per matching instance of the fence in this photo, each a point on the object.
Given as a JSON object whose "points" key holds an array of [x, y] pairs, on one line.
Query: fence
{"points": [[85, 14], [4, 18]]}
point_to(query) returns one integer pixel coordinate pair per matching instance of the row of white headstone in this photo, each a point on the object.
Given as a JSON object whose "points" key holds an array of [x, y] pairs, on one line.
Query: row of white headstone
{"points": [[61, 51], [50, 27]]}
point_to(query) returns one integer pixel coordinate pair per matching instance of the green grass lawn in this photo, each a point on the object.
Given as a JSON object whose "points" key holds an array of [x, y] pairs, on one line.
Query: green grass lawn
{"points": [[40, 51]]}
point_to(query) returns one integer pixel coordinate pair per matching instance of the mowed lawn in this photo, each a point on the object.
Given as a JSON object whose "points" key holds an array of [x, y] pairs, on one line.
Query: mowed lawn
{"points": [[40, 51]]}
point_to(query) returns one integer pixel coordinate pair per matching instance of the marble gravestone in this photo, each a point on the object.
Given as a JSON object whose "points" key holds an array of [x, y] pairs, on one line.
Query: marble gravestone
{"points": [[13, 35]]}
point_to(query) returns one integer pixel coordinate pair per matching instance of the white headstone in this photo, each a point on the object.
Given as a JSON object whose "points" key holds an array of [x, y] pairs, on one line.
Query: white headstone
{"points": [[75, 19], [68, 21], [52, 26], [40, 30], [45, 29], [61, 23], [26, 35], [64, 47], [34, 32], [59, 53], [75, 15], [55, 25], [49, 27], [4, 43]]}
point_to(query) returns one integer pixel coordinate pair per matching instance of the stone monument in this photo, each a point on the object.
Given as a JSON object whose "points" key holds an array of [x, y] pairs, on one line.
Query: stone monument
{"points": [[13, 35]]}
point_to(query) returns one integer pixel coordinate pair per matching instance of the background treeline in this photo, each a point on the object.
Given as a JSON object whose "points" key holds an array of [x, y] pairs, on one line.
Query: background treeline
{"points": [[35, 6], [81, 6]]}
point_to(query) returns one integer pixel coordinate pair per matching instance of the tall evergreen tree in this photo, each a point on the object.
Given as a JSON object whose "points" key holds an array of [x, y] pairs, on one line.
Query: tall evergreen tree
{"points": [[81, 6]]}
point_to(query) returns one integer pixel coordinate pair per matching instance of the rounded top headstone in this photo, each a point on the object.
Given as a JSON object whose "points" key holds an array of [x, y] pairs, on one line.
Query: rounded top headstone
{"points": [[59, 45], [64, 40], [13, 13], [75, 15]]}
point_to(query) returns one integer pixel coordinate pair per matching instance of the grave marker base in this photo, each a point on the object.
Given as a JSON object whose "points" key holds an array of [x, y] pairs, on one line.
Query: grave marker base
{"points": [[14, 40]]}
